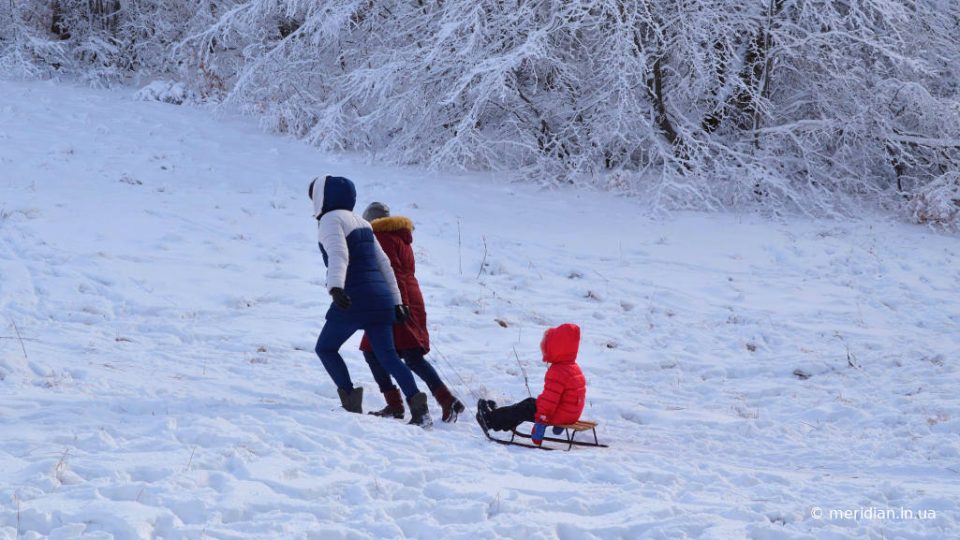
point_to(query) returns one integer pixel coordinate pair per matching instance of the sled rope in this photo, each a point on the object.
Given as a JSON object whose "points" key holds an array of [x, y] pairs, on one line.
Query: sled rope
{"points": [[463, 383]]}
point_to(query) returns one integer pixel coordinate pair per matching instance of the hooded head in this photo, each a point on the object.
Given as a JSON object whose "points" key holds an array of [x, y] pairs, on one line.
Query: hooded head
{"points": [[332, 193], [560, 344]]}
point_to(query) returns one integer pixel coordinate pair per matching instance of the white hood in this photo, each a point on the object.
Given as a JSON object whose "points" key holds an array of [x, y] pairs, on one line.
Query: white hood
{"points": [[318, 185]]}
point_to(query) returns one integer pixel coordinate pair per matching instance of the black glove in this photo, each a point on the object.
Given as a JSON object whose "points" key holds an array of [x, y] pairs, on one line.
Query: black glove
{"points": [[403, 313], [340, 298]]}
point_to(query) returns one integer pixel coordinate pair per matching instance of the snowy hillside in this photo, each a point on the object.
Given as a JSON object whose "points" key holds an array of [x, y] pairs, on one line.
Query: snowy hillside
{"points": [[160, 265]]}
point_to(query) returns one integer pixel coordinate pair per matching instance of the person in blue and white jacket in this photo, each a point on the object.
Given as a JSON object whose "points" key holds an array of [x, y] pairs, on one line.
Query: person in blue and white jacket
{"points": [[365, 295]]}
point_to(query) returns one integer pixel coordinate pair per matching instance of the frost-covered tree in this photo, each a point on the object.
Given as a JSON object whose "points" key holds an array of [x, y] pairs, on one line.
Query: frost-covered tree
{"points": [[800, 104], [100, 41]]}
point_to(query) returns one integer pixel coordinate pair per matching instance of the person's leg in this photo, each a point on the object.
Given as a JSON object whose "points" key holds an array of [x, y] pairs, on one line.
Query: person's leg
{"points": [[332, 337], [509, 417], [417, 362], [450, 406], [381, 338], [380, 375]]}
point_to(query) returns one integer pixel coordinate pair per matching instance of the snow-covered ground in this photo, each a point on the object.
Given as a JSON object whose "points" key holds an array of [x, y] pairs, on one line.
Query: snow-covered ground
{"points": [[160, 264]]}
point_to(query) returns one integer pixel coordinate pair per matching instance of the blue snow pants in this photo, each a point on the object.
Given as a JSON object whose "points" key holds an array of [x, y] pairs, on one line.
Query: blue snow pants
{"points": [[336, 332], [415, 360]]}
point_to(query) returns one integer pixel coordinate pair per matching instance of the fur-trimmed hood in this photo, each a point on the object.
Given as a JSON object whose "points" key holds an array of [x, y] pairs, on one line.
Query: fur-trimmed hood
{"points": [[392, 224], [398, 226]]}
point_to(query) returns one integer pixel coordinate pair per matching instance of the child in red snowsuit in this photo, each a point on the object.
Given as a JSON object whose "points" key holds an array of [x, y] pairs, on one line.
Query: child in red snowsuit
{"points": [[564, 389]]}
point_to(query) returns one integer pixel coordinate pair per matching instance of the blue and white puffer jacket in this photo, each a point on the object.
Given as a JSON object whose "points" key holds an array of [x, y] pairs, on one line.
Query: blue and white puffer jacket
{"points": [[355, 261]]}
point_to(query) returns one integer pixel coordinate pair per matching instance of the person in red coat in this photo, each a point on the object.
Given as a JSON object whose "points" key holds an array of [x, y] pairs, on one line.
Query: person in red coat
{"points": [[412, 340], [564, 389]]}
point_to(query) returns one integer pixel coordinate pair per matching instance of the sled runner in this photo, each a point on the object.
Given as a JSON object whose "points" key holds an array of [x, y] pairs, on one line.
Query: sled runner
{"points": [[570, 432], [511, 442]]}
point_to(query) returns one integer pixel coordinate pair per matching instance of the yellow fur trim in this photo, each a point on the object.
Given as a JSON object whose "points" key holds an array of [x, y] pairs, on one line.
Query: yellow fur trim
{"points": [[391, 224]]}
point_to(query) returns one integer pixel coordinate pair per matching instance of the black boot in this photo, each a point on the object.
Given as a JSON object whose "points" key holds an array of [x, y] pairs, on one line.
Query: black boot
{"points": [[352, 400], [419, 412], [483, 414], [394, 408]]}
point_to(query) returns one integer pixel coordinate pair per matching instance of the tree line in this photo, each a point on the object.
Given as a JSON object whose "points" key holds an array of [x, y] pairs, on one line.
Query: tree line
{"points": [[795, 105]]}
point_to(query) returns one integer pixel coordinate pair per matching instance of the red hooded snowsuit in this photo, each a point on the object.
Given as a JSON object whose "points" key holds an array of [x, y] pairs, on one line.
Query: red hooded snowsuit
{"points": [[395, 235], [564, 386]]}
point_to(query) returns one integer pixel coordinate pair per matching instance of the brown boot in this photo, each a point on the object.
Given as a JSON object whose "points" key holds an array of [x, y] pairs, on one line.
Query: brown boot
{"points": [[450, 406], [394, 408]]}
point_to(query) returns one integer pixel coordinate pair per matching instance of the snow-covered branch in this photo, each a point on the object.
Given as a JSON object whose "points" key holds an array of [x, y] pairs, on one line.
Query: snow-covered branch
{"points": [[796, 104]]}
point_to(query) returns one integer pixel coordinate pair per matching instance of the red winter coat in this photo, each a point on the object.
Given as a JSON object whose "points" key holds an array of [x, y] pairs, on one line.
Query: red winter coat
{"points": [[395, 235], [564, 386]]}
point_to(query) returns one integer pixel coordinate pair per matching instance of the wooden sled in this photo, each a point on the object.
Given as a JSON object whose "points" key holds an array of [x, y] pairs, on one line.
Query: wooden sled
{"points": [[569, 434]]}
